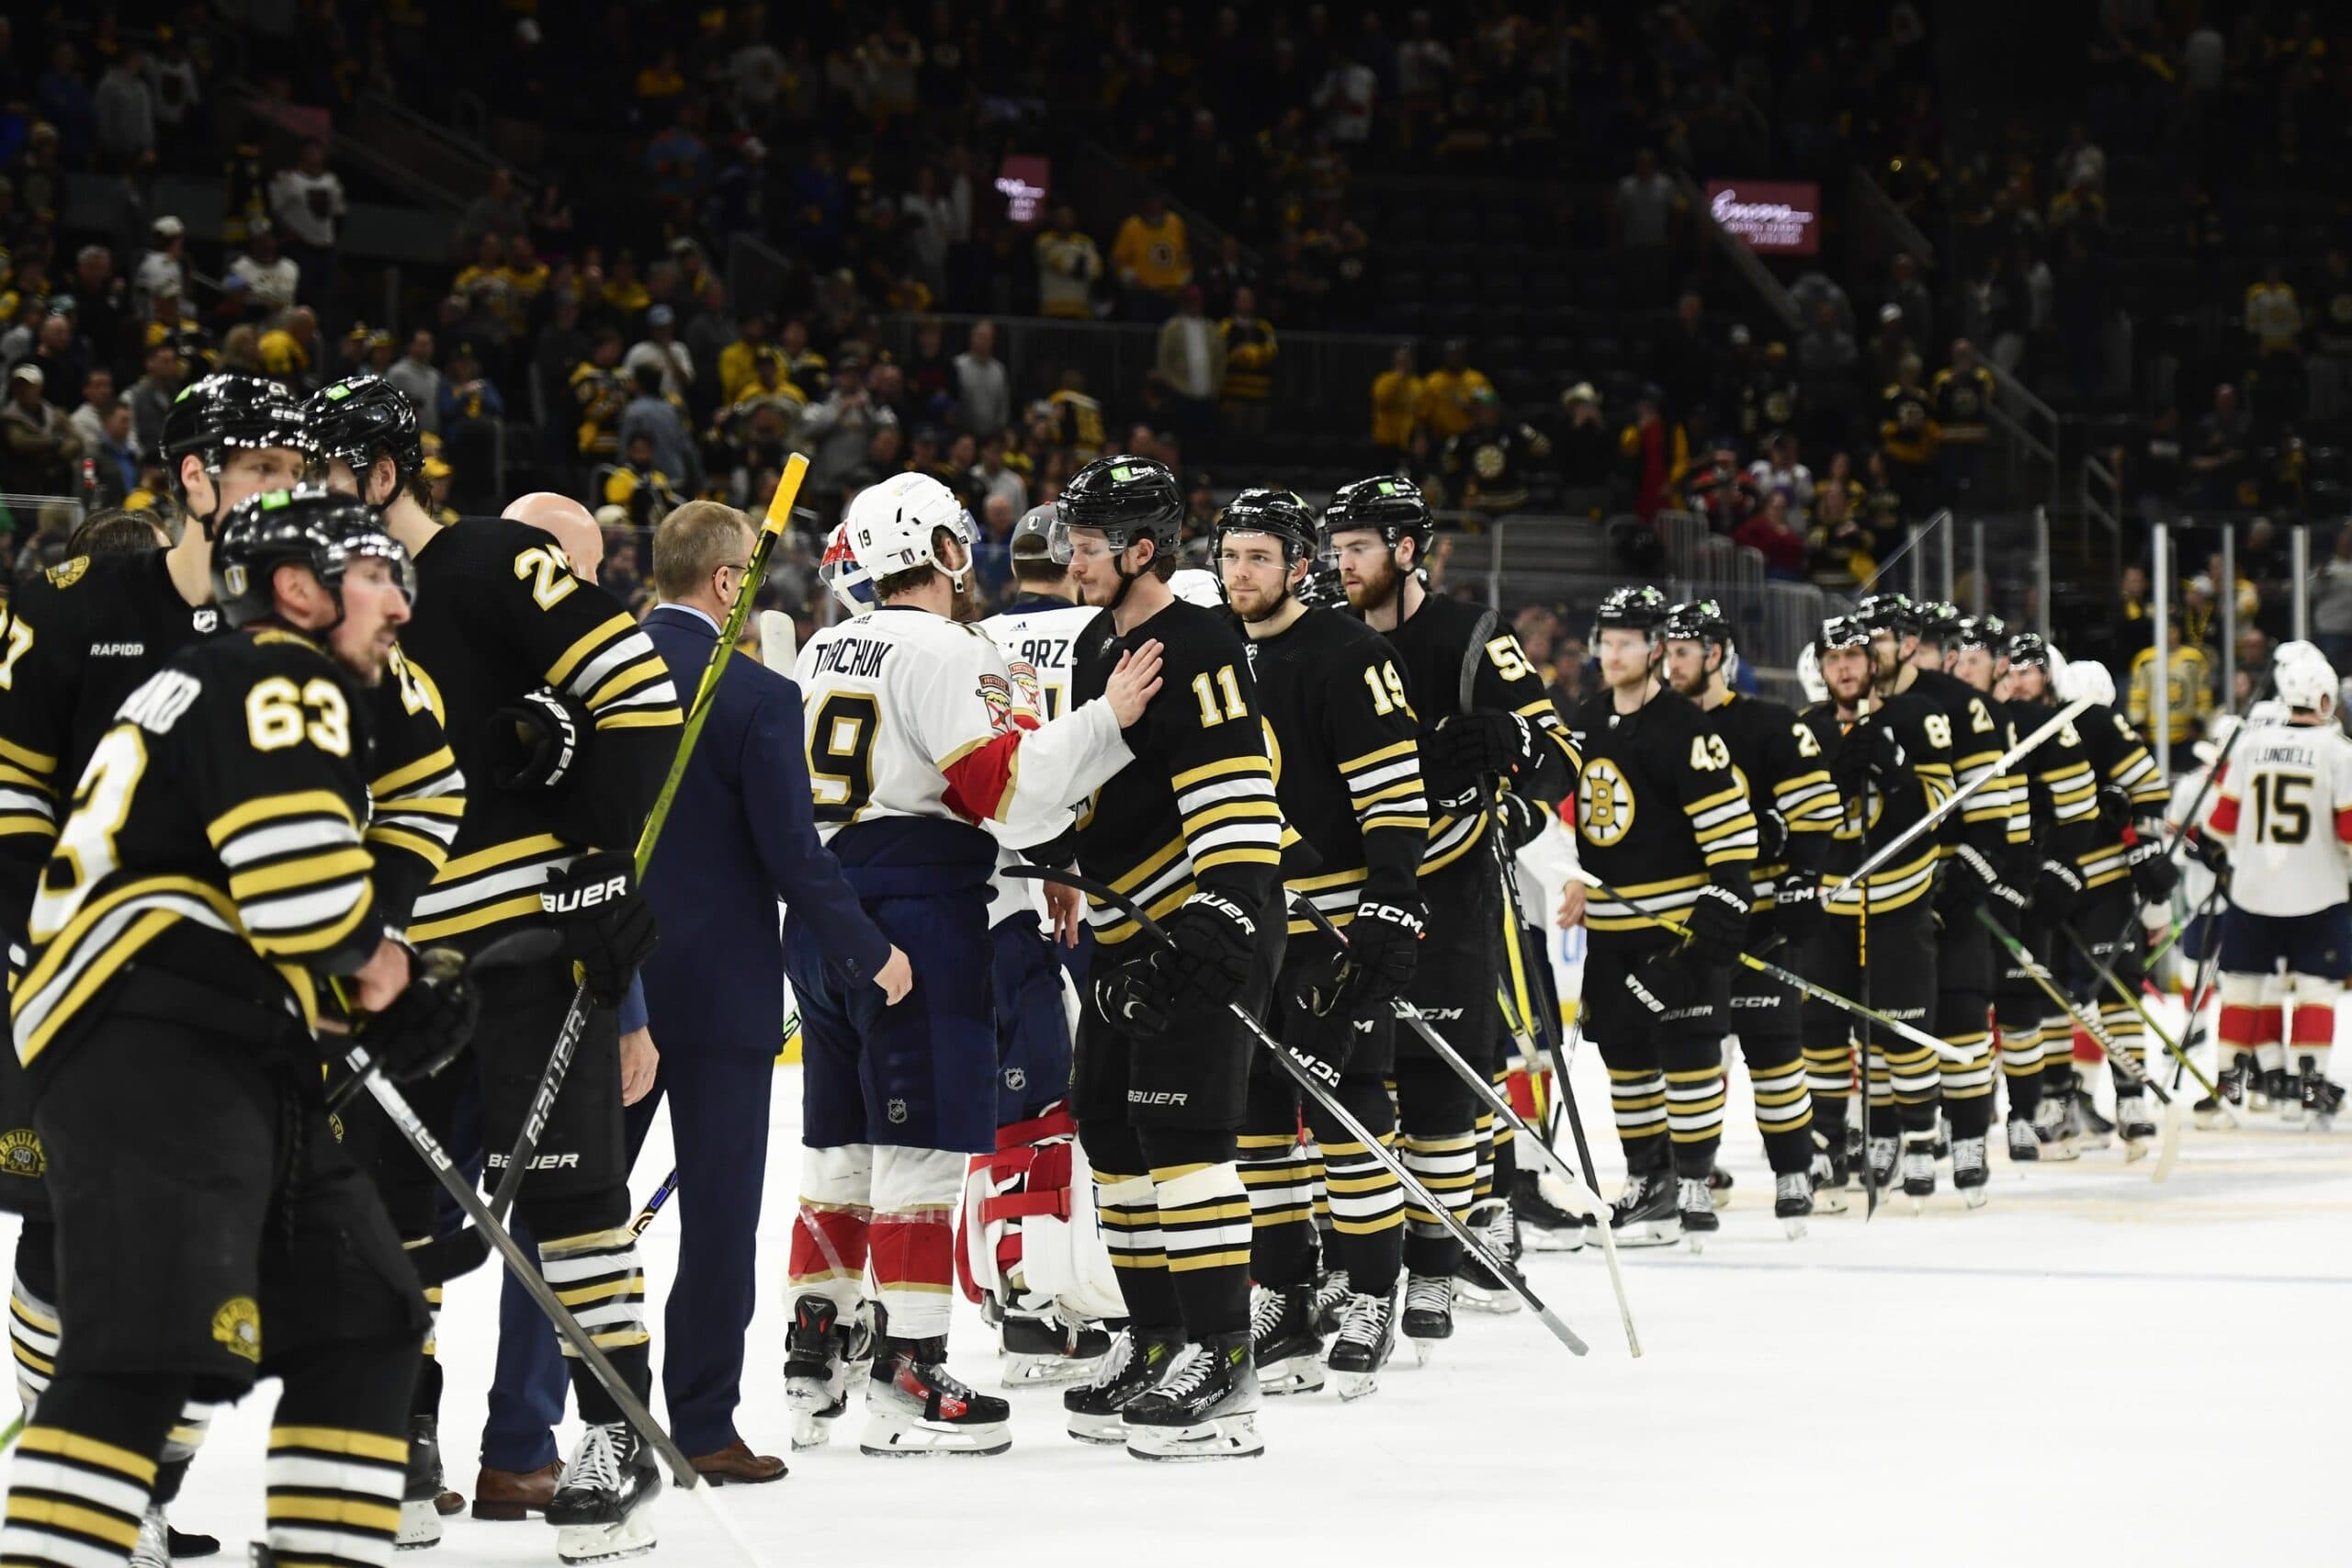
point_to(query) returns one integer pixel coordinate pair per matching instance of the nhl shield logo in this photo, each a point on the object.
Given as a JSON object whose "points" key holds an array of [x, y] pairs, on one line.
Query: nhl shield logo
{"points": [[208, 620], [1015, 1079], [897, 1112]]}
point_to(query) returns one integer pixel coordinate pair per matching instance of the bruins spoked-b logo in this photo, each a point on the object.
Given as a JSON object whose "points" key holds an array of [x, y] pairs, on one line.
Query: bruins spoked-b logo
{"points": [[21, 1154], [1604, 802], [237, 1327]]}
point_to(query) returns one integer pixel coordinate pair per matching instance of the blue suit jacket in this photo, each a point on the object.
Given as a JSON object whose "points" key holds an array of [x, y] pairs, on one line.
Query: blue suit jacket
{"points": [[740, 835]]}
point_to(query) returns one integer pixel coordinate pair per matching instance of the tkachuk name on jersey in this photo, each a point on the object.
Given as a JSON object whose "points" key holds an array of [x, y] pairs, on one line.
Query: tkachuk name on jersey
{"points": [[853, 656]]}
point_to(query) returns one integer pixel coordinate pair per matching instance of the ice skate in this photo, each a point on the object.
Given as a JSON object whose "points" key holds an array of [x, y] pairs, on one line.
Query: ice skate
{"points": [[603, 1506], [1283, 1342], [1972, 1169], [1943, 1137], [1792, 1202], [1543, 1226], [1429, 1313], [1205, 1407], [1647, 1212], [915, 1406], [421, 1494], [1885, 1154], [1829, 1174], [2218, 1110], [2285, 1094], [2322, 1098], [821, 1354], [2024, 1144], [1367, 1338], [2055, 1128], [154, 1548], [1041, 1350], [1478, 1288], [1919, 1168], [1133, 1362], [2094, 1131], [2135, 1125], [1331, 1293], [1719, 1185], [1695, 1201]]}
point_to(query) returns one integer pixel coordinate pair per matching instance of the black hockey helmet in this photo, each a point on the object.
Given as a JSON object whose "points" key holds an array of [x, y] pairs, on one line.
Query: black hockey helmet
{"points": [[226, 411], [1697, 620], [363, 417], [2026, 651], [1639, 609], [1894, 612], [1842, 631], [1987, 632], [1125, 498], [1322, 587], [310, 525], [1390, 505], [1275, 512], [1938, 618]]}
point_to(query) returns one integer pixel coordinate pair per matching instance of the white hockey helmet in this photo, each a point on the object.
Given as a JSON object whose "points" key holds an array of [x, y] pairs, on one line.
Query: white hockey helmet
{"points": [[891, 526], [2305, 682], [2218, 736], [2083, 678], [1809, 675], [1197, 587], [842, 577]]}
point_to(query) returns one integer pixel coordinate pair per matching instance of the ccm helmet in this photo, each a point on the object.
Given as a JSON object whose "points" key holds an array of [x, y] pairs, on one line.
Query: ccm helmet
{"points": [[228, 411], [1640, 610], [1275, 512], [361, 418], [310, 525], [1390, 506], [1123, 498]]}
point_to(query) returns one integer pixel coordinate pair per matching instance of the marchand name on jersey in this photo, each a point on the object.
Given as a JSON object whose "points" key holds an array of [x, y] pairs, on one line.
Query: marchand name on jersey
{"points": [[852, 656]]}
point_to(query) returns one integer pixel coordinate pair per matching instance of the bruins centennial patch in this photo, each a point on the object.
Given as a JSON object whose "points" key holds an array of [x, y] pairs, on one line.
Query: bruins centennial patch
{"points": [[237, 1327], [21, 1154]]}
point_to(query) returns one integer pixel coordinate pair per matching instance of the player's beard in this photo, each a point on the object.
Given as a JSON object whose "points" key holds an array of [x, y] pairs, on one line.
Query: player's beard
{"points": [[1695, 688], [1380, 586], [965, 599]]}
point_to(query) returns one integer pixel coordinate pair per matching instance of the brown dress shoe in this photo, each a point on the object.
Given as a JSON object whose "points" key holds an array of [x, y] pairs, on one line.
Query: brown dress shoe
{"points": [[736, 1463], [515, 1494], [446, 1503]]}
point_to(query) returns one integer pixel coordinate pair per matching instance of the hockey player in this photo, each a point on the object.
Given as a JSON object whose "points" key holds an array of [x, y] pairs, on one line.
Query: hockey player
{"points": [[210, 877], [1662, 816], [1886, 747], [1790, 792], [80, 638], [1980, 845], [1190, 830], [564, 714], [1351, 796], [2284, 814], [1023, 1190], [1486, 725], [922, 760]]}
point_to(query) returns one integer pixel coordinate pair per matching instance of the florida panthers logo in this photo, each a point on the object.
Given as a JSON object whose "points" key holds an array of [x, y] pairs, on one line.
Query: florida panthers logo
{"points": [[1604, 802]]}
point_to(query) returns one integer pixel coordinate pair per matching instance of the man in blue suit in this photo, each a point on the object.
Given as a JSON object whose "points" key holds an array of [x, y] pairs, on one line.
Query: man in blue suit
{"points": [[739, 836]]}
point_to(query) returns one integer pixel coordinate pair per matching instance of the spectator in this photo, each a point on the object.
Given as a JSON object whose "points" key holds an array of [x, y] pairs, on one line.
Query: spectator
{"points": [[117, 465], [2274, 328], [2253, 666], [66, 103], [290, 349], [1960, 400], [271, 280], [1153, 259], [1068, 265], [668, 356], [1840, 552], [1395, 407], [652, 415], [98, 398], [1890, 345], [1769, 535], [929, 225], [840, 428], [1446, 392], [178, 94], [1641, 230], [983, 391], [1826, 364], [59, 356], [416, 375], [2079, 163], [1347, 96], [125, 105], [2332, 602], [467, 394], [1908, 434], [1249, 352], [307, 204], [2329, 370], [159, 269], [1588, 456], [1907, 293], [803, 365], [1486, 467], [41, 448], [679, 161], [152, 398], [1724, 493], [1232, 271], [499, 212], [1655, 453], [1778, 472], [992, 551], [1882, 507], [639, 485], [2217, 464], [1192, 360], [1686, 358], [600, 394], [995, 477], [2151, 477]]}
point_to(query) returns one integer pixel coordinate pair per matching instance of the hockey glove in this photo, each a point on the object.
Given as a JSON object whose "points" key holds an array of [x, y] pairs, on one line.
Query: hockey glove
{"points": [[2211, 853], [2056, 890], [605, 921], [1382, 946], [1482, 744], [1718, 925], [1971, 878], [1872, 760], [1133, 997], [535, 741], [1521, 820], [427, 1024], [1796, 904], [1215, 940], [2154, 873], [2114, 807], [1772, 836], [1668, 982]]}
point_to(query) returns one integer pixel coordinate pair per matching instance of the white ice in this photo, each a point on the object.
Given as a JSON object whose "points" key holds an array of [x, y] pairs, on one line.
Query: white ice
{"points": [[2095, 1368]]}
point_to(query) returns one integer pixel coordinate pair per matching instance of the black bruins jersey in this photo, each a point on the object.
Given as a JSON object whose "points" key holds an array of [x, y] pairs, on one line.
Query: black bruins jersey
{"points": [[1660, 809], [1925, 735], [79, 639], [1348, 768], [1776, 758], [1196, 808], [1993, 819], [215, 836], [1434, 646], [2098, 747], [498, 615]]}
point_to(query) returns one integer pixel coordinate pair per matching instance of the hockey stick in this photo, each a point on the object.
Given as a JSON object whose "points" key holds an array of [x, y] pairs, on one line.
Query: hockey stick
{"points": [[1316, 1078], [1485, 1092], [654, 1204], [2084, 950], [2208, 968], [575, 1018], [2168, 1140], [1795, 982], [1999, 766]]}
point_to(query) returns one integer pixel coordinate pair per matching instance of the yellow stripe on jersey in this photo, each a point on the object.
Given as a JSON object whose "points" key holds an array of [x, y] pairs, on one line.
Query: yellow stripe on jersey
{"points": [[1224, 767], [559, 672], [1374, 759], [81, 958], [1724, 826], [272, 808], [26, 758], [423, 768]]}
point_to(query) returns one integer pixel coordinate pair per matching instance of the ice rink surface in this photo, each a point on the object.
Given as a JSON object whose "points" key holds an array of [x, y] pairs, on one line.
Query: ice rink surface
{"points": [[2093, 1369]]}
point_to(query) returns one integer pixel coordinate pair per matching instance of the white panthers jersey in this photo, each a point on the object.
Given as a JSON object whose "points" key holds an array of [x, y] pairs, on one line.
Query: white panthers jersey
{"points": [[910, 714], [1039, 636], [2285, 812]]}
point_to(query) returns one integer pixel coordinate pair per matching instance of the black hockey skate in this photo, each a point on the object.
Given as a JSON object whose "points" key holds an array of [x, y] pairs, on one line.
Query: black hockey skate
{"points": [[1040, 1349], [1205, 1407], [2135, 1123], [602, 1507], [1885, 1157], [1331, 1293], [1719, 1185], [821, 1354], [1429, 1313], [2024, 1143], [1646, 1213], [1367, 1338], [1830, 1173], [1972, 1169], [1543, 1226], [2287, 1097], [2322, 1098], [1695, 1200], [423, 1497], [1283, 1341], [2096, 1131], [915, 1406], [2218, 1110], [1919, 1168], [1136, 1358], [1792, 1202], [2056, 1125], [187, 1543], [1478, 1288]]}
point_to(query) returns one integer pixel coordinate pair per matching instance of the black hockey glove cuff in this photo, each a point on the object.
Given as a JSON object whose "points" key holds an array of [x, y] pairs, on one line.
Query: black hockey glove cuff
{"points": [[1668, 982], [535, 740], [1718, 924], [2057, 889], [1872, 760], [2153, 873], [2211, 853], [605, 921], [1797, 903], [1215, 940], [427, 1025], [1521, 820], [1384, 944], [1133, 997], [1971, 878], [1772, 836], [1481, 744], [2114, 807]]}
